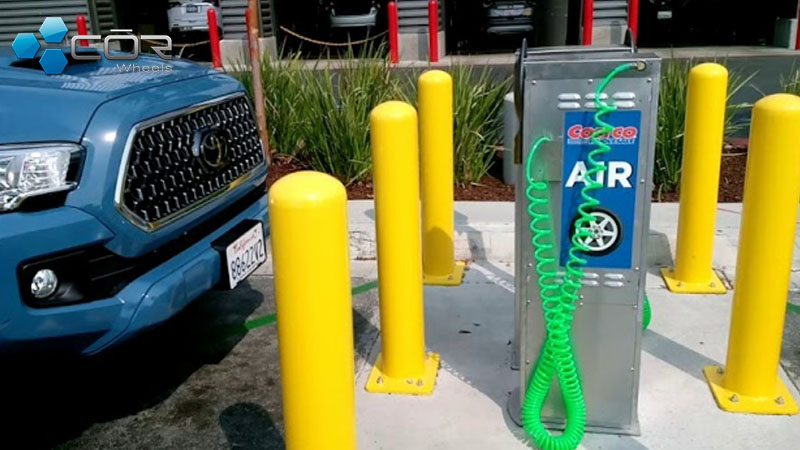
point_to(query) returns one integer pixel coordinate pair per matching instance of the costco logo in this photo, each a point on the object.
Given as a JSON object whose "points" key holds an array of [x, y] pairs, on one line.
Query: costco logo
{"points": [[623, 135]]}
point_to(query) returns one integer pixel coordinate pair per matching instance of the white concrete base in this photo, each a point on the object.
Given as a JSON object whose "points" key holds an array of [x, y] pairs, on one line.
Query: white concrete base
{"points": [[235, 54], [269, 45], [414, 46], [785, 33], [608, 34]]}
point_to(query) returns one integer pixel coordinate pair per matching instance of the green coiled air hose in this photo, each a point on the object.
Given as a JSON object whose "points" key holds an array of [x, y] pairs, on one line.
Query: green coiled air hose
{"points": [[557, 357], [647, 313]]}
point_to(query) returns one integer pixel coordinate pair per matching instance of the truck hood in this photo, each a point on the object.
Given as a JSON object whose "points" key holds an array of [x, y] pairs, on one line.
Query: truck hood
{"points": [[36, 107]]}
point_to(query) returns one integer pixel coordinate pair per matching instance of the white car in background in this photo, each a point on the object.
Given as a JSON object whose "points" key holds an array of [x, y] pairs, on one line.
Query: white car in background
{"points": [[185, 16]]}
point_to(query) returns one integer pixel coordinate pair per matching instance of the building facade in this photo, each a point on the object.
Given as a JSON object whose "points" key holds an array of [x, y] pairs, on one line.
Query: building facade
{"points": [[465, 25]]}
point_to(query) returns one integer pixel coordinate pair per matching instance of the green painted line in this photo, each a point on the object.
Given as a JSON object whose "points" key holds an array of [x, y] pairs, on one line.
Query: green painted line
{"points": [[261, 321], [791, 307], [269, 319], [365, 287]]}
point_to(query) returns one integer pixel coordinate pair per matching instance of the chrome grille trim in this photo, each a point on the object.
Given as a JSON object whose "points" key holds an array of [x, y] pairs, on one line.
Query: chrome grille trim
{"points": [[222, 181]]}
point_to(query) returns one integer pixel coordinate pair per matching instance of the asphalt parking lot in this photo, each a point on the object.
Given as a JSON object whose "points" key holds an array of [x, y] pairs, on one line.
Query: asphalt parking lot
{"points": [[202, 380], [210, 377]]}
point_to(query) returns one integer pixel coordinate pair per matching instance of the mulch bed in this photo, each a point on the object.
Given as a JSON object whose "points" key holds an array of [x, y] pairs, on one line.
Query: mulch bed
{"points": [[281, 166], [731, 182], [489, 189], [731, 176]]}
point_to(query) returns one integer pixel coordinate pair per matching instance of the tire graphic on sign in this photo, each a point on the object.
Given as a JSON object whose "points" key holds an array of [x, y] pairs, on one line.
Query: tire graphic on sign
{"points": [[606, 232]]}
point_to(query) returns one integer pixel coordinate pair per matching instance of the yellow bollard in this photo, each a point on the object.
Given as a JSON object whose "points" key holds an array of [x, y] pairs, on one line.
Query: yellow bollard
{"points": [[702, 153], [750, 383], [435, 89], [308, 222], [403, 366]]}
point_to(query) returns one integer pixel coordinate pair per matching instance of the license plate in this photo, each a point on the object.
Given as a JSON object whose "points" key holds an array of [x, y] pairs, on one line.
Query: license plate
{"points": [[191, 8], [243, 250]]}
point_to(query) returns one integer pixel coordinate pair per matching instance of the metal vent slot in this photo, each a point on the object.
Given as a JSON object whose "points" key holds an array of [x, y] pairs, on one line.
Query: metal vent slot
{"points": [[569, 105], [569, 97]]}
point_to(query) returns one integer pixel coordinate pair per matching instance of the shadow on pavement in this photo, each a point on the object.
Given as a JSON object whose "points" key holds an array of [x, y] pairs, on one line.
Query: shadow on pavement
{"points": [[48, 398], [677, 355], [659, 253], [248, 426]]}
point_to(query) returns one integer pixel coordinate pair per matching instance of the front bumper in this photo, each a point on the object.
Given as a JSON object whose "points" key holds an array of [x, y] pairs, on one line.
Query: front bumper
{"points": [[148, 300]]}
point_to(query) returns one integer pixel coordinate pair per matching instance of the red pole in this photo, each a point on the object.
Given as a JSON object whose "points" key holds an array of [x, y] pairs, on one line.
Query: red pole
{"points": [[393, 50], [433, 30], [633, 19], [82, 30], [797, 39], [213, 37], [588, 21]]}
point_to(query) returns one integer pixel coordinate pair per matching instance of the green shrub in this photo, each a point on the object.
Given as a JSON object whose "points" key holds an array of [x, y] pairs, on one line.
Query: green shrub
{"points": [[282, 84], [336, 105], [319, 114], [478, 122], [672, 120], [791, 84]]}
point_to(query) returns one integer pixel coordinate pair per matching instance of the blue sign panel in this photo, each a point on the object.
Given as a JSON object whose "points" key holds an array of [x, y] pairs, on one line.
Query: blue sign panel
{"points": [[612, 241]]}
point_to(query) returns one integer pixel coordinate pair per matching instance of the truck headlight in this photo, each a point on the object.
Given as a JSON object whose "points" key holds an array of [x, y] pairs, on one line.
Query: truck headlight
{"points": [[37, 169]]}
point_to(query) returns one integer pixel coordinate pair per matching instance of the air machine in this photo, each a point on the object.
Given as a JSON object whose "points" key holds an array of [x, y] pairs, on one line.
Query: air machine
{"points": [[584, 162]]}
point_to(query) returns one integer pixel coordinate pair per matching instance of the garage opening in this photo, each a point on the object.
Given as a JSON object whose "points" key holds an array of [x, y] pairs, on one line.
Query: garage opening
{"points": [[185, 21], [680, 23], [315, 28], [498, 26]]}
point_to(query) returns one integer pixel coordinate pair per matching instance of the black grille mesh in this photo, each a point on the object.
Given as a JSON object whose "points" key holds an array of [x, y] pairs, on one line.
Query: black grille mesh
{"points": [[164, 177]]}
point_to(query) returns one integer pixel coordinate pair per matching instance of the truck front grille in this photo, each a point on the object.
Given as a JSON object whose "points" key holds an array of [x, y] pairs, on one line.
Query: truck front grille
{"points": [[177, 162]]}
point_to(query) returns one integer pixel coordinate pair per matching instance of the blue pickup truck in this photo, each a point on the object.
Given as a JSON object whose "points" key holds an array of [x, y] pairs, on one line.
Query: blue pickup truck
{"points": [[124, 196]]}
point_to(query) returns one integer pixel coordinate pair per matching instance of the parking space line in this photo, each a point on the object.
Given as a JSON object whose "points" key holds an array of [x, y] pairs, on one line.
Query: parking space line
{"points": [[269, 319]]}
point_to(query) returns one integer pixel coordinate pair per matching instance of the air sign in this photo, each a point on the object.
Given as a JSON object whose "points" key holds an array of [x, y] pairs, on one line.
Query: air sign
{"points": [[617, 196]]}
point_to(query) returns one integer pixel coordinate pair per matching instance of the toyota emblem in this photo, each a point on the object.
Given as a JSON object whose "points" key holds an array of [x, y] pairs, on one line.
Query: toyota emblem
{"points": [[211, 148]]}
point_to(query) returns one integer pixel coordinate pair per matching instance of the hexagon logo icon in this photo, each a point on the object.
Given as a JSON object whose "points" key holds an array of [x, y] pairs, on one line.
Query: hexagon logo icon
{"points": [[25, 45], [53, 30], [53, 61]]}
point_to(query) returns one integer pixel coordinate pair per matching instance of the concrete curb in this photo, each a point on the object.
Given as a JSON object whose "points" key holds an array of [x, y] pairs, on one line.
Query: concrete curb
{"points": [[483, 230]]}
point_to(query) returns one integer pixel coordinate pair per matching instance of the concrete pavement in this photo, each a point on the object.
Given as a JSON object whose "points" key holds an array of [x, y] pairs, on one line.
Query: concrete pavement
{"points": [[471, 327], [202, 381]]}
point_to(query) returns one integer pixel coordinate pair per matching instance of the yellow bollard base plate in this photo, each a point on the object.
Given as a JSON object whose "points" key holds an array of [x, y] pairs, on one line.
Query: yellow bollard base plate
{"points": [[453, 279], [712, 286], [378, 383], [781, 403]]}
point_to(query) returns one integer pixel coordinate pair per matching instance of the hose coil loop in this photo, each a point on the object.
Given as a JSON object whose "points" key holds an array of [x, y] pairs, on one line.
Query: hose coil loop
{"points": [[557, 358]]}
